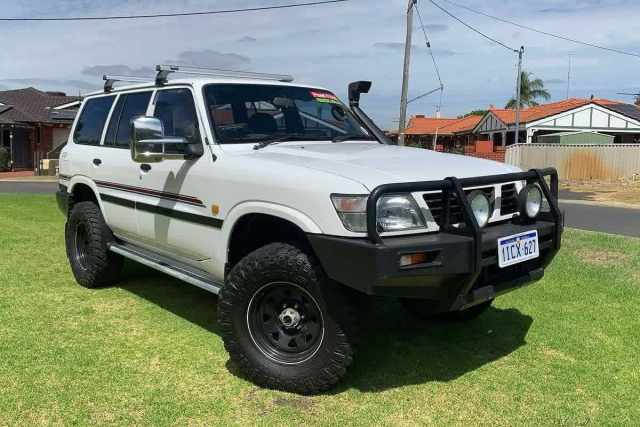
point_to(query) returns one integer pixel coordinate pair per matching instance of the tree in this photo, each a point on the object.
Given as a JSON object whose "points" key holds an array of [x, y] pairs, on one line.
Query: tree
{"points": [[638, 100], [530, 91]]}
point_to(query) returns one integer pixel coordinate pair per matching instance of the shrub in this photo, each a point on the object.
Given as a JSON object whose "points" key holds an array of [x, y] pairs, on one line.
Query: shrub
{"points": [[4, 159]]}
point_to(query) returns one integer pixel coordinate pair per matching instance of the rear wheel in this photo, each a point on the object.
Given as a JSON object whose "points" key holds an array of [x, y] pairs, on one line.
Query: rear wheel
{"points": [[419, 309], [284, 325], [87, 237]]}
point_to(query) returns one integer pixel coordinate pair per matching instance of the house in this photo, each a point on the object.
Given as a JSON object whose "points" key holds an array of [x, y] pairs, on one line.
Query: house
{"points": [[33, 123], [580, 121], [617, 119], [442, 134]]}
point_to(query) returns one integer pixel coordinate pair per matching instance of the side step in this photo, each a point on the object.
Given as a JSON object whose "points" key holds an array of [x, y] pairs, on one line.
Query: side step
{"points": [[172, 268]]}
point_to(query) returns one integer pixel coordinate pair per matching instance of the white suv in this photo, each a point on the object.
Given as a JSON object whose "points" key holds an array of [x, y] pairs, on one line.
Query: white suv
{"points": [[291, 206]]}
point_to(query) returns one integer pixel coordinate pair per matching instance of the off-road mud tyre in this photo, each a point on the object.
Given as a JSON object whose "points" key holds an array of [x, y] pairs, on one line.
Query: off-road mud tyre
{"points": [[87, 237], [266, 281]]}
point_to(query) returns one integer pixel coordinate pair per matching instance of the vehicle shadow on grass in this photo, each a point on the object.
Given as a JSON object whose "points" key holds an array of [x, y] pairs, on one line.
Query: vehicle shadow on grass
{"points": [[399, 350], [396, 349], [186, 301]]}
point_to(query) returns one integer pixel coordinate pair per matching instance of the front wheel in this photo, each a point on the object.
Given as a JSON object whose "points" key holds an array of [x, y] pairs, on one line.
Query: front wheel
{"points": [[284, 325]]}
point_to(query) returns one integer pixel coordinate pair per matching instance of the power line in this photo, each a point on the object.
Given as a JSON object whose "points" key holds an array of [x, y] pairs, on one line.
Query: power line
{"points": [[435, 64], [426, 37], [535, 30], [171, 15], [473, 28]]}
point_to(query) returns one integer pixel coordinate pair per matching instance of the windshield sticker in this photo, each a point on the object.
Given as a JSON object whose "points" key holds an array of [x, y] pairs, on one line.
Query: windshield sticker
{"points": [[325, 97]]}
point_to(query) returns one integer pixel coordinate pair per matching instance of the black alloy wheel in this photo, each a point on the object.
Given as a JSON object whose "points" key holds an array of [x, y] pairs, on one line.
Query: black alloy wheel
{"points": [[285, 322]]}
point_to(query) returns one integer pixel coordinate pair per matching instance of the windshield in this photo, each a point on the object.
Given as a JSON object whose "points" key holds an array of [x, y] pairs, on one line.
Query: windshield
{"points": [[243, 113]]}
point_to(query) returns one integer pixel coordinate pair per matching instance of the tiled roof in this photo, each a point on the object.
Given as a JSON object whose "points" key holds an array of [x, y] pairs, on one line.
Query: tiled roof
{"points": [[30, 105], [9, 115], [420, 125], [541, 111]]}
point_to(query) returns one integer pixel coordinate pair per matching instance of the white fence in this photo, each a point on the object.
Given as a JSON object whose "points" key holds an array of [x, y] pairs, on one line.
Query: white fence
{"points": [[579, 162]]}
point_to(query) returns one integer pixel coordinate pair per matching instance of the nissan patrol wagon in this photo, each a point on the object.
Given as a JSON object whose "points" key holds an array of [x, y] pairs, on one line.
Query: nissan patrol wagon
{"points": [[292, 205]]}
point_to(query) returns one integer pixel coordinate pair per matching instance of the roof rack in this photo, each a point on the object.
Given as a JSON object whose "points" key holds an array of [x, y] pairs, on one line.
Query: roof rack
{"points": [[110, 81], [165, 70]]}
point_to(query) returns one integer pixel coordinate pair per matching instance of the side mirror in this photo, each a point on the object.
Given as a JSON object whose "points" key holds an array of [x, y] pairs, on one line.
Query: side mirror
{"points": [[357, 88], [149, 144]]}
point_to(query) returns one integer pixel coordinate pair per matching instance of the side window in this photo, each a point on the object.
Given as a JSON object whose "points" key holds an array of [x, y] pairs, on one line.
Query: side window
{"points": [[177, 111], [129, 106], [92, 120]]}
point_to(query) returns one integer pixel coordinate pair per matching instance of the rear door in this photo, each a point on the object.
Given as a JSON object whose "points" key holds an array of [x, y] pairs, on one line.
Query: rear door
{"points": [[84, 157], [178, 217], [118, 176]]}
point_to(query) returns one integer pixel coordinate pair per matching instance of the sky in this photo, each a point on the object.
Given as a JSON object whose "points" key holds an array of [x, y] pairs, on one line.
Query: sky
{"points": [[332, 45]]}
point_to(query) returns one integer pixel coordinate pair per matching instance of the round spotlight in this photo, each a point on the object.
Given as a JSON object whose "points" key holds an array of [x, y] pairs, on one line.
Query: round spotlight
{"points": [[481, 207], [530, 201]]}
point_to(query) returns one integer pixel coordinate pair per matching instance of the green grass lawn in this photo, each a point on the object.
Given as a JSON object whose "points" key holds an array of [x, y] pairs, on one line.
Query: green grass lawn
{"points": [[564, 351]]}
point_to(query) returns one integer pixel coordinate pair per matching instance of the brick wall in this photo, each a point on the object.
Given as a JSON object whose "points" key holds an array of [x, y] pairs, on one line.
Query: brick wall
{"points": [[485, 152]]}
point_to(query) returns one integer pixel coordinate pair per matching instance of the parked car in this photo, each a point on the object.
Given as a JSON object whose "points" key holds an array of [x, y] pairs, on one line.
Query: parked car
{"points": [[291, 205]]}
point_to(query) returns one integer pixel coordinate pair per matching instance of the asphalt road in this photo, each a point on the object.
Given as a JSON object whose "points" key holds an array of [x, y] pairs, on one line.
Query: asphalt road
{"points": [[605, 219], [28, 187]]}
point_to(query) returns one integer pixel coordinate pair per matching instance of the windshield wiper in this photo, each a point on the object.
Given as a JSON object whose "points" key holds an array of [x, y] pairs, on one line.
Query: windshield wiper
{"points": [[352, 137], [286, 138]]}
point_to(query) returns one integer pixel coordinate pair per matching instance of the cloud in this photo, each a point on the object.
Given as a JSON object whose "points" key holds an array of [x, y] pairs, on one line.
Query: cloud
{"points": [[49, 83], [433, 28], [198, 58], [399, 47], [119, 69], [247, 39], [391, 45], [552, 82], [210, 58]]}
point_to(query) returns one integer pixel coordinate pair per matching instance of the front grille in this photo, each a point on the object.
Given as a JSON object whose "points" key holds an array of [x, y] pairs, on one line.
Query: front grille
{"points": [[434, 202], [509, 199]]}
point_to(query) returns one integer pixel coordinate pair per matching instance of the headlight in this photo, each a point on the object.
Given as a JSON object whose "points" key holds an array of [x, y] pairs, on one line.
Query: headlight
{"points": [[399, 213], [352, 211], [530, 200], [394, 213], [481, 207]]}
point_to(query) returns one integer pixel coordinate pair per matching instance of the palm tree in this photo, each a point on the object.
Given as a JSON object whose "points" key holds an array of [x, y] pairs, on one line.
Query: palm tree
{"points": [[530, 91]]}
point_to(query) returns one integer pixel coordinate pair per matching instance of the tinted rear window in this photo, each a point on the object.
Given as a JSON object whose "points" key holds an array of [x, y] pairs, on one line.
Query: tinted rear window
{"points": [[92, 120]]}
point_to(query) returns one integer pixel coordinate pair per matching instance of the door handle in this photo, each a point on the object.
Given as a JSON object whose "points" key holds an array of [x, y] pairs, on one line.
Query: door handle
{"points": [[145, 167], [97, 162]]}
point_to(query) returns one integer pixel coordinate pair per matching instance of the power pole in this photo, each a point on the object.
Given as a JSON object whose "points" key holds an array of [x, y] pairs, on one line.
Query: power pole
{"points": [[405, 74], [519, 94]]}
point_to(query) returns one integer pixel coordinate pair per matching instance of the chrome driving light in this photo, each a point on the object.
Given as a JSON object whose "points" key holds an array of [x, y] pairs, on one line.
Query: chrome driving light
{"points": [[352, 210], [399, 212], [530, 201], [481, 207]]}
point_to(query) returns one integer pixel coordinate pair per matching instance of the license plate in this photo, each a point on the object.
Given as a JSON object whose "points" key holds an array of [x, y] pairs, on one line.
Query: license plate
{"points": [[518, 248]]}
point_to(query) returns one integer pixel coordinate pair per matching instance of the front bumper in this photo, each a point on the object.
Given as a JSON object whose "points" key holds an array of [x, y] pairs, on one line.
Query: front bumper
{"points": [[462, 268], [375, 269]]}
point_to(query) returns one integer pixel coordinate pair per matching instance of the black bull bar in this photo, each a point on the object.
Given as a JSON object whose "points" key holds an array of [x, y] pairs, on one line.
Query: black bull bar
{"points": [[455, 186]]}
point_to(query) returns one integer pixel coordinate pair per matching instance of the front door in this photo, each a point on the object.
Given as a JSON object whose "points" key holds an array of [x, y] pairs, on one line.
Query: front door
{"points": [[178, 221]]}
